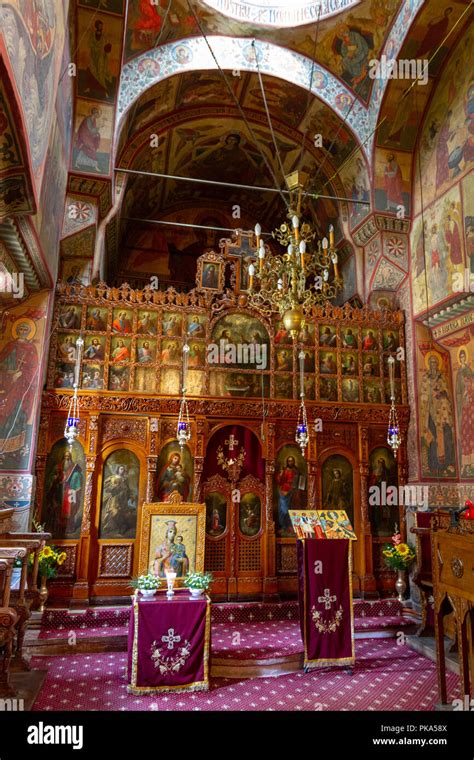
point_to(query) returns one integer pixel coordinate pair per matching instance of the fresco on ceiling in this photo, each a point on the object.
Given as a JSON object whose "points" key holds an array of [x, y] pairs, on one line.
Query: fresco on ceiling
{"points": [[286, 103], [392, 182], [435, 408], [34, 38], [92, 137], [402, 114], [145, 24], [16, 194], [461, 349], [366, 25], [447, 140], [10, 153], [208, 86], [80, 244], [438, 255], [147, 70], [355, 177], [51, 205], [337, 141], [427, 38], [99, 55], [391, 49], [21, 349]]}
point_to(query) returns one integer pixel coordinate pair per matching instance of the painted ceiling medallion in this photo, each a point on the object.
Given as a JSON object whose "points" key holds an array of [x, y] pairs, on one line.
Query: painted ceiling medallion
{"points": [[280, 12]]}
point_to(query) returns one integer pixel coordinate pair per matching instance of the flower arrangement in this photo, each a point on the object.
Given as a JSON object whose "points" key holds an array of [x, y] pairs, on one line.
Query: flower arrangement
{"points": [[198, 580], [148, 582], [398, 555], [48, 562]]}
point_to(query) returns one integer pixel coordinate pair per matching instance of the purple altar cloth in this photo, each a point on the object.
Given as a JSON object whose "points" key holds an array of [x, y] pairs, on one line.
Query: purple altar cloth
{"points": [[325, 602], [169, 644]]}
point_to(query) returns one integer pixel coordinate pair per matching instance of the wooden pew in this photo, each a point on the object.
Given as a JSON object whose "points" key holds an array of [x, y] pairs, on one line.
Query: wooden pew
{"points": [[8, 616], [24, 599]]}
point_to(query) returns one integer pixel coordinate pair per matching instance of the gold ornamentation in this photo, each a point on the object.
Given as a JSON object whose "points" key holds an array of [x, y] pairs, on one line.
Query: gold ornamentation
{"points": [[457, 567], [232, 466], [327, 626], [174, 663]]}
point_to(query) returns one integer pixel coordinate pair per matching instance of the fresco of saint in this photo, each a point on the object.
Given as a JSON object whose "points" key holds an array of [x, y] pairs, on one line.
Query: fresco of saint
{"points": [[436, 420]]}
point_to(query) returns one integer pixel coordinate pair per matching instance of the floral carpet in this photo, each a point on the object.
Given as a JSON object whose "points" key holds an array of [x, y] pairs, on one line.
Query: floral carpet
{"points": [[387, 676]]}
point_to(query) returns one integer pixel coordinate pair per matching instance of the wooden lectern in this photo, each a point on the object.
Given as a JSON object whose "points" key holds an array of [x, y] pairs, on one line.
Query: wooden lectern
{"points": [[453, 587]]}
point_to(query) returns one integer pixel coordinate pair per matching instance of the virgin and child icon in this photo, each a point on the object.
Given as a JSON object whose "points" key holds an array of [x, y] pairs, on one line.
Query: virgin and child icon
{"points": [[171, 555]]}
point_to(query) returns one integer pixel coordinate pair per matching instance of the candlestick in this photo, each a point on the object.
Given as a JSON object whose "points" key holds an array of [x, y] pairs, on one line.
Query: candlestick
{"points": [[331, 236]]}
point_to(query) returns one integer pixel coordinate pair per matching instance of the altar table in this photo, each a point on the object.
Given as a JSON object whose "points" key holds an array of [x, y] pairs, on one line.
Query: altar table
{"points": [[325, 601], [169, 644]]}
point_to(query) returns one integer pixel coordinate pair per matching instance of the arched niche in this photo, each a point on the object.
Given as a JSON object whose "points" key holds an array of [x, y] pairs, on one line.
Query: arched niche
{"points": [[338, 484], [289, 486], [174, 472], [63, 500], [119, 495]]}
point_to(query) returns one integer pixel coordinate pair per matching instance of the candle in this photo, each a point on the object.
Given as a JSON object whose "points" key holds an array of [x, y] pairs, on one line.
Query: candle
{"points": [[251, 274], [296, 227], [258, 232], [261, 255], [331, 236], [302, 252]]}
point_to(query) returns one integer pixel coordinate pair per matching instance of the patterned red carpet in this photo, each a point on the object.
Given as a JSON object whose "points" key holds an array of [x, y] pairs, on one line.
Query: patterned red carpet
{"points": [[387, 676]]}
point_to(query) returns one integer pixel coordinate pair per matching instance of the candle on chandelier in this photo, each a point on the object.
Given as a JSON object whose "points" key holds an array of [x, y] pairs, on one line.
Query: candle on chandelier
{"points": [[324, 243], [251, 275], [331, 236], [261, 255], [296, 227], [302, 252], [334, 260], [258, 232]]}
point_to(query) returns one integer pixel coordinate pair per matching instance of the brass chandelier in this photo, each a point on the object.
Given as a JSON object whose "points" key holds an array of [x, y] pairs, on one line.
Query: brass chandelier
{"points": [[293, 282]]}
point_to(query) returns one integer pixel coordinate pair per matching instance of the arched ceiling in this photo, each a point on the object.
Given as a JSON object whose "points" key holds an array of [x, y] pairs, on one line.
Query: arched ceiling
{"points": [[371, 18], [190, 126]]}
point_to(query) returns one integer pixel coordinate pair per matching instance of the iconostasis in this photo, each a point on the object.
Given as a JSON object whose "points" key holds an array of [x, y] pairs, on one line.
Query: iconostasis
{"points": [[243, 391]]}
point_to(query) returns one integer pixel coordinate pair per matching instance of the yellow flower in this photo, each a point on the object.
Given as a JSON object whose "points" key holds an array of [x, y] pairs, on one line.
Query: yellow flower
{"points": [[387, 553], [61, 558], [403, 550], [47, 551]]}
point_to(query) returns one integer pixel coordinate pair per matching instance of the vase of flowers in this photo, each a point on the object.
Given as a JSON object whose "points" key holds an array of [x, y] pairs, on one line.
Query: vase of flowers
{"points": [[399, 556], [147, 585], [49, 561], [197, 583]]}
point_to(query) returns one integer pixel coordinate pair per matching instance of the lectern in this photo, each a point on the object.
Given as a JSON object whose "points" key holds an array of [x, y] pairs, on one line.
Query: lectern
{"points": [[325, 594]]}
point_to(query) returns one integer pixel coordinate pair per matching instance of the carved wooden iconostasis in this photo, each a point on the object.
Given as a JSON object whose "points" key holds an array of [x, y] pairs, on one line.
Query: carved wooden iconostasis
{"points": [[242, 460]]}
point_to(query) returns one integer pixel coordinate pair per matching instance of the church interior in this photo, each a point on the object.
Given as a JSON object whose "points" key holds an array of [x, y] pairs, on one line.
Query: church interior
{"points": [[236, 355]]}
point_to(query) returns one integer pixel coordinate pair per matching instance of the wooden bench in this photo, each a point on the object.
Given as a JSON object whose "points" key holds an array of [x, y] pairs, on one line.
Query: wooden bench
{"points": [[8, 616], [24, 599]]}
